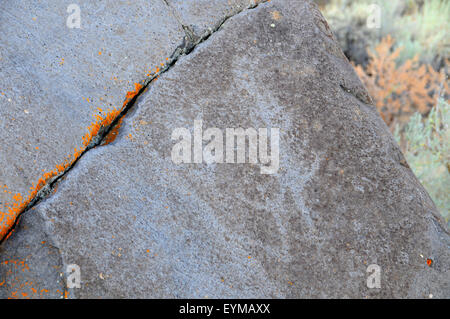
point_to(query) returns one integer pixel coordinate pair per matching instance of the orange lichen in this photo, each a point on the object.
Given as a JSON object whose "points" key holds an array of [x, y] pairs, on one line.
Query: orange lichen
{"points": [[17, 281], [101, 121], [131, 94], [12, 211], [112, 135]]}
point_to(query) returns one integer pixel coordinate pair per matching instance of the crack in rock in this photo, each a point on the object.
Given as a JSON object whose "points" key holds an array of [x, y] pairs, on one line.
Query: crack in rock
{"points": [[190, 41]]}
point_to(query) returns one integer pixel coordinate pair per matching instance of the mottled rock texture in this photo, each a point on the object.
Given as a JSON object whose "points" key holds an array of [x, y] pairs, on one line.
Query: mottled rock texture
{"points": [[140, 225], [53, 78]]}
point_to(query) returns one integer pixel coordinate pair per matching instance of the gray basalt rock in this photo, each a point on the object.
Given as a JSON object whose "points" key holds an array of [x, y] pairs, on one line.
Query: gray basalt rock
{"points": [[199, 16], [342, 197], [53, 77], [30, 266]]}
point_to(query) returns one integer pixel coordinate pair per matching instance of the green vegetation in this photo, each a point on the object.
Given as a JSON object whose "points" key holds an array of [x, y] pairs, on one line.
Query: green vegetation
{"points": [[420, 27], [403, 65], [426, 145]]}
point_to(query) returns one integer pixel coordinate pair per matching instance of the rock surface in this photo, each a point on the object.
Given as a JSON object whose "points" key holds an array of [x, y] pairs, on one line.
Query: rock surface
{"points": [[53, 78], [201, 15], [139, 225]]}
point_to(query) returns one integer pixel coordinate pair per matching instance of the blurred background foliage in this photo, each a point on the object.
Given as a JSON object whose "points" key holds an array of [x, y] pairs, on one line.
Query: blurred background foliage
{"points": [[403, 62], [426, 144]]}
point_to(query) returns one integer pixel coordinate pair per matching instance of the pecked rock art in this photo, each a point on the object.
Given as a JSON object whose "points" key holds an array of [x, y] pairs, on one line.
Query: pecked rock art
{"points": [[158, 203]]}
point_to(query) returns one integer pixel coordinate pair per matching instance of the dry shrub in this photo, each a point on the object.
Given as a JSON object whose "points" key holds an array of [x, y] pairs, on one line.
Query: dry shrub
{"points": [[400, 90]]}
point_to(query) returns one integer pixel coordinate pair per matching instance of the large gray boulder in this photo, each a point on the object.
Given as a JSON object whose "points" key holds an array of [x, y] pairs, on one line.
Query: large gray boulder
{"points": [[140, 224]]}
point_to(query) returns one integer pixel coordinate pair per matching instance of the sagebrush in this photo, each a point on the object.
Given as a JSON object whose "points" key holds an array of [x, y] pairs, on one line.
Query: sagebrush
{"points": [[426, 144]]}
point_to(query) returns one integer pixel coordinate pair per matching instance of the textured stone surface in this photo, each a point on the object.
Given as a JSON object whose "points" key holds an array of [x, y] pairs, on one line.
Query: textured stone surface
{"points": [[139, 225], [200, 15], [31, 266], [53, 79]]}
